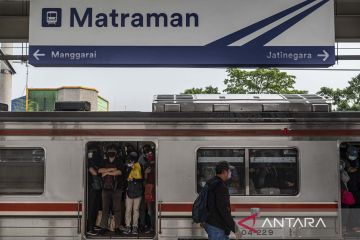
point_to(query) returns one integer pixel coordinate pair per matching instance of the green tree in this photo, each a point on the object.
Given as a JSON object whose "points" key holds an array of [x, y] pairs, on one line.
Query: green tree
{"points": [[260, 81], [352, 93], [208, 90], [337, 95], [347, 99]]}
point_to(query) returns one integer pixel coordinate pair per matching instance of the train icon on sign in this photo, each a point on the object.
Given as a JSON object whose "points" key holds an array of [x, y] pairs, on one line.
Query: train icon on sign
{"points": [[51, 17]]}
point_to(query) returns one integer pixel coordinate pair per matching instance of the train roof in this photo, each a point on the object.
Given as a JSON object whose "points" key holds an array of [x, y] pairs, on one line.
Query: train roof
{"points": [[241, 103], [208, 108], [178, 117]]}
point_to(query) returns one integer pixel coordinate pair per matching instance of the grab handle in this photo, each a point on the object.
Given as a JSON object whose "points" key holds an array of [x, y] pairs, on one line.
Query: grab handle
{"points": [[159, 218], [79, 217]]}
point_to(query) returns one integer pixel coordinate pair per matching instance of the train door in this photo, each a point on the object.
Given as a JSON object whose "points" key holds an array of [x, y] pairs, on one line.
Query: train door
{"points": [[120, 189], [350, 189]]}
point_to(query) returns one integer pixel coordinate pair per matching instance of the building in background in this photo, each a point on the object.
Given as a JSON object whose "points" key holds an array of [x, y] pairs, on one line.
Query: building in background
{"points": [[103, 104], [44, 99], [18, 104], [41, 99]]}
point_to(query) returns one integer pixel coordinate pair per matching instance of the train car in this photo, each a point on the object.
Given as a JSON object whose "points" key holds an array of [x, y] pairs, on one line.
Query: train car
{"points": [[285, 150]]}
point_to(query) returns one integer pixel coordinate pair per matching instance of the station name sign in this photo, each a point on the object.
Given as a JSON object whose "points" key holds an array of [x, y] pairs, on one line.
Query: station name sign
{"points": [[202, 33], [137, 20]]}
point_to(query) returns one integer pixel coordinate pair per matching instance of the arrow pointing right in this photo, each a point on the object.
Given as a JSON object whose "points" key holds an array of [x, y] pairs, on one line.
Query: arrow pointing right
{"points": [[325, 55], [37, 54]]}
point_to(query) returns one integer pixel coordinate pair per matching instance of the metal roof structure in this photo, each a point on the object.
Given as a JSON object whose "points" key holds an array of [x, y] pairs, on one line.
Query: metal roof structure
{"points": [[241, 103]]}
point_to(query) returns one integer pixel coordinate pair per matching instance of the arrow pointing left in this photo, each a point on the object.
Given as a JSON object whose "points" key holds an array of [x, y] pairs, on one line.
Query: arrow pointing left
{"points": [[37, 54], [251, 228]]}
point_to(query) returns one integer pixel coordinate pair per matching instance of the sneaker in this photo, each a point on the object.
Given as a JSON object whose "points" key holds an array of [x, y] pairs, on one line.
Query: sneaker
{"points": [[135, 230], [127, 230], [92, 233], [96, 228], [122, 228], [149, 230]]}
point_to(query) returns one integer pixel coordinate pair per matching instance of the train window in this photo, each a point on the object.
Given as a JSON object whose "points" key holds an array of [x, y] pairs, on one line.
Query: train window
{"points": [[22, 171], [273, 172], [206, 162]]}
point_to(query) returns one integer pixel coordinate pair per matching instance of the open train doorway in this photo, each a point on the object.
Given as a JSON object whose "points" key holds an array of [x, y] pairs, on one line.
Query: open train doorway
{"points": [[120, 189]]}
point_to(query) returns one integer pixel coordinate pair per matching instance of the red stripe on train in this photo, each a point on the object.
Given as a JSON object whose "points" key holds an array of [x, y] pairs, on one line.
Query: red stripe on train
{"points": [[169, 207], [178, 132], [41, 207], [185, 207]]}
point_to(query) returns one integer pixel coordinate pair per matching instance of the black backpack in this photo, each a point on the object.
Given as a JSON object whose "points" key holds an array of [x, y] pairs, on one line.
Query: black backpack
{"points": [[199, 209], [134, 189]]}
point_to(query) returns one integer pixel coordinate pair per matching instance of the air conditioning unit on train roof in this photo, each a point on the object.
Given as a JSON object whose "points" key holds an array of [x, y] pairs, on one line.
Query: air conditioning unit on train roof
{"points": [[241, 103]]}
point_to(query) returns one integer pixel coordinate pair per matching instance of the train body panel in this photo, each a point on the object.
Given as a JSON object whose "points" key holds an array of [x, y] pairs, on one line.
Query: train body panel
{"points": [[58, 213]]}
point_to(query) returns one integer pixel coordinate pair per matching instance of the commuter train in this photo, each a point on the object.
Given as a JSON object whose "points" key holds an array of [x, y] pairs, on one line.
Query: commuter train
{"points": [[285, 150]]}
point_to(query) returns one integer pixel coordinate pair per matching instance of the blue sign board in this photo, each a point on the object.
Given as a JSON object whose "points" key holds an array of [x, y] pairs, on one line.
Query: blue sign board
{"points": [[182, 33]]}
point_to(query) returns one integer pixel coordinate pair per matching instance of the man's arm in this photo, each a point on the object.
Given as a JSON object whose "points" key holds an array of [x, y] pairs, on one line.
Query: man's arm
{"points": [[146, 172], [106, 170], [92, 171], [223, 207], [116, 172]]}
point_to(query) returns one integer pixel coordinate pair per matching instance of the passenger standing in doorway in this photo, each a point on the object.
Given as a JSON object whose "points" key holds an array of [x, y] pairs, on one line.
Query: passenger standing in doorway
{"points": [[149, 195], [114, 182], [354, 186], [146, 149], [220, 223], [347, 199], [134, 193], [94, 190]]}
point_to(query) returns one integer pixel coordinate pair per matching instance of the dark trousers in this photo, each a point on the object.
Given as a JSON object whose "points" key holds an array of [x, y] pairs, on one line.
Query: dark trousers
{"points": [[147, 209], [108, 197], [142, 212], [151, 212], [94, 204]]}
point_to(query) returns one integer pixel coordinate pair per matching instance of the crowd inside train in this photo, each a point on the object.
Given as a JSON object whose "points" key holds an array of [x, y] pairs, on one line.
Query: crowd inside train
{"points": [[121, 176]]}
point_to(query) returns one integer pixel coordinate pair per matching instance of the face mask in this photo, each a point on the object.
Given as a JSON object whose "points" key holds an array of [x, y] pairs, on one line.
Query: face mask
{"points": [[229, 175], [111, 154], [149, 156], [352, 158]]}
